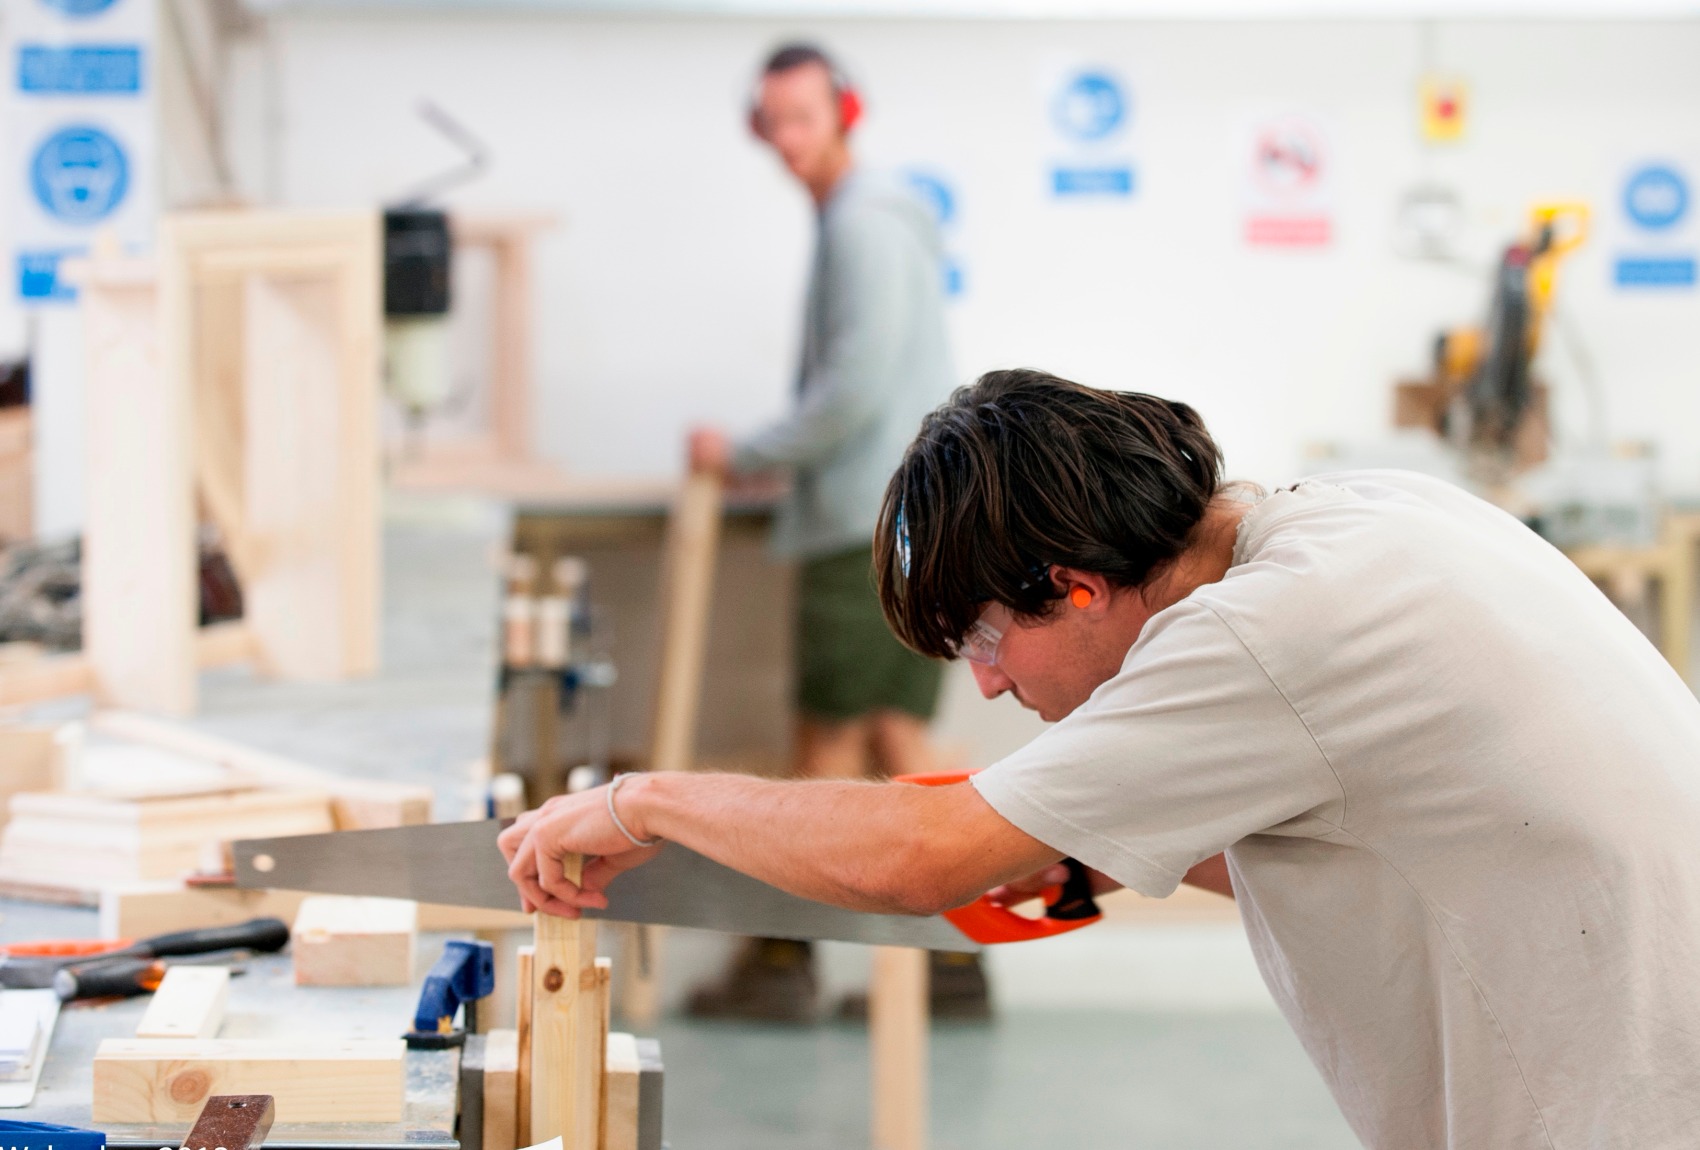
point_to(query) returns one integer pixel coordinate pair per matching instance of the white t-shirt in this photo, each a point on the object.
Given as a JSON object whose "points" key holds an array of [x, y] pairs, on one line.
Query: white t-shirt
{"points": [[1460, 796]]}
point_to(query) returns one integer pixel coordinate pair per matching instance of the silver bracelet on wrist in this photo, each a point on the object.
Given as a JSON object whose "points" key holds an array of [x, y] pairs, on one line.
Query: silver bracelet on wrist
{"points": [[615, 815]]}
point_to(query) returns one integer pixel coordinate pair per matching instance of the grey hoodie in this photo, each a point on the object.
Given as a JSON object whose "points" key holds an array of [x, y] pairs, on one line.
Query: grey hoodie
{"points": [[876, 358]]}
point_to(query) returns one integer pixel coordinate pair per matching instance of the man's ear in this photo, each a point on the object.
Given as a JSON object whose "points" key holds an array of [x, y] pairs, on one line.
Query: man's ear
{"points": [[1082, 590]]}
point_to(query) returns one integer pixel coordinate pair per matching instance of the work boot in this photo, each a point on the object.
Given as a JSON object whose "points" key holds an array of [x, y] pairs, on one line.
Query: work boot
{"points": [[957, 991], [770, 980]]}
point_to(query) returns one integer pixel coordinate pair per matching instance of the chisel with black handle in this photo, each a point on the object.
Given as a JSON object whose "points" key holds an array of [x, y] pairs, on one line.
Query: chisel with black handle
{"points": [[260, 935]]}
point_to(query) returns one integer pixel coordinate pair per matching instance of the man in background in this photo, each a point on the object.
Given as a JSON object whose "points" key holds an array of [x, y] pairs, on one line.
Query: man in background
{"points": [[875, 360]]}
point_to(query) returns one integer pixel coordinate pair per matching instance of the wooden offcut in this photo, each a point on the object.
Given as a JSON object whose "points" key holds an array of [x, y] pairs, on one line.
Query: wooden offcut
{"points": [[168, 1080], [500, 1126], [622, 1077], [341, 940], [190, 1003]]}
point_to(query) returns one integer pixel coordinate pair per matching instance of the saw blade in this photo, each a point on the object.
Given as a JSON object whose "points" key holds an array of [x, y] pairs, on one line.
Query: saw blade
{"points": [[459, 864]]}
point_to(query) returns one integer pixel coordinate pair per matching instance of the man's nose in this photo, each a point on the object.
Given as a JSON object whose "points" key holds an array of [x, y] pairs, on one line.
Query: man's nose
{"points": [[991, 681]]}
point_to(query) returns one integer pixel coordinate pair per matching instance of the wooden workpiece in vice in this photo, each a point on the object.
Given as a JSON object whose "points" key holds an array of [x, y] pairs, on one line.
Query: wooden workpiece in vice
{"points": [[566, 1033], [340, 940]]}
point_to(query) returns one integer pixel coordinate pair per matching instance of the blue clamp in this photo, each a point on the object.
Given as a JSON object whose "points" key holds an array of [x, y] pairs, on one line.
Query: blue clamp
{"points": [[464, 974]]}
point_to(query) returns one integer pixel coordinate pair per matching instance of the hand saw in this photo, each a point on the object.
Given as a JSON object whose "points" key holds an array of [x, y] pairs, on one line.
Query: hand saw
{"points": [[460, 864]]}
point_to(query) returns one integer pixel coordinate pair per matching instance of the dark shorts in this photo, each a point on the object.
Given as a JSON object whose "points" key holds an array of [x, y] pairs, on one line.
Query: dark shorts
{"points": [[849, 664]]}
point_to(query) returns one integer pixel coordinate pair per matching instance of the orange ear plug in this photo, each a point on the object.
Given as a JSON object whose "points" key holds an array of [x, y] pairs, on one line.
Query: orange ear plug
{"points": [[1080, 597]]}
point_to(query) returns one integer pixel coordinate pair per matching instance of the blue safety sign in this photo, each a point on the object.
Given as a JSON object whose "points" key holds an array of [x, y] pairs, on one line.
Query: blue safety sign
{"points": [[76, 9], [80, 134], [79, 174], [936, 193], [1090, 106], [1655, 271], [1661, 249], [1091, 111], [1655, 197], [79, 69], [1116, 180]]}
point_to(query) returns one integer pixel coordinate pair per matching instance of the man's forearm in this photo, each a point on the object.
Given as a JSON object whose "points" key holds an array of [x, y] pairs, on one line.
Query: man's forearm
{"points": [[872, 847]]}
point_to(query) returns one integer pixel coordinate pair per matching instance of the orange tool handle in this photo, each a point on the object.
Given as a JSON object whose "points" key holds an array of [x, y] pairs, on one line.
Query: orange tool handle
{"points": [[1067, 907], [68, 948]]}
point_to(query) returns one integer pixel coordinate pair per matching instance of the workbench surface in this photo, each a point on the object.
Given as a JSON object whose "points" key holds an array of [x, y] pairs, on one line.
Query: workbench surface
{"points": [[264, 1003]]}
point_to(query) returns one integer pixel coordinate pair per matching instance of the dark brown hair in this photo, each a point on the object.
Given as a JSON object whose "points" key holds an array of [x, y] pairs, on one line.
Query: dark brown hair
{"points": [[1022, 470]]}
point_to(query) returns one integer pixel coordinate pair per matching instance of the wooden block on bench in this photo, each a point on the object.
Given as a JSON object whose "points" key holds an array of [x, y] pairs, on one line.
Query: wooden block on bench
{"points": [[501, 1090], [189, 1003], [620, 1083], [168, 1080], [344, 941]]}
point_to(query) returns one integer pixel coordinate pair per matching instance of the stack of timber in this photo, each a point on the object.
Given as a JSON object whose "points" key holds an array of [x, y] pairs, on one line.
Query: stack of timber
{"points": [[154, 802], [74, 843], [356, 804]]}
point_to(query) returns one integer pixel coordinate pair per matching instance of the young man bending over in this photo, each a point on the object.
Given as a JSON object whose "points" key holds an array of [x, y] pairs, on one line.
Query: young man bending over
{"points": [[1455, 792]]}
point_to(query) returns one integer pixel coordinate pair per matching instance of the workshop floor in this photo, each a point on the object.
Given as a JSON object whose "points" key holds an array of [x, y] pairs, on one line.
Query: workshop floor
{"points": [[1157, 1037]]}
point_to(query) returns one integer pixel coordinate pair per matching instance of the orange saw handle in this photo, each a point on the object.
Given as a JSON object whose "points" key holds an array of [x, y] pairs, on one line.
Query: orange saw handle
{"points": [[1068, 906]]}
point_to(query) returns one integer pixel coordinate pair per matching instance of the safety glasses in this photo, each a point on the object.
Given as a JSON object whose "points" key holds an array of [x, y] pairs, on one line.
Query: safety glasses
{"points": [[979, 644]]}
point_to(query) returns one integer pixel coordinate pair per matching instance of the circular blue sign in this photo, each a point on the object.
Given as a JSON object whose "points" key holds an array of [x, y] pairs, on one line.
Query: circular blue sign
{"points": [[1090, 106], [79, 8], [79, 175], [936, 194], [1656, 197]]}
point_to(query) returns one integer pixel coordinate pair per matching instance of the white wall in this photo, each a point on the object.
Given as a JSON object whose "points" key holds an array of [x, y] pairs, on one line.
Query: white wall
{"points": [[671, 295]]}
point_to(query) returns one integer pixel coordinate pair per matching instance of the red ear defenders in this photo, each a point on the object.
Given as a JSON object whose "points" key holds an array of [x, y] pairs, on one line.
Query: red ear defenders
{"points": [[849, 104]]}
